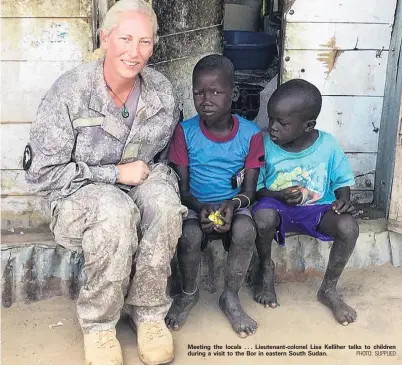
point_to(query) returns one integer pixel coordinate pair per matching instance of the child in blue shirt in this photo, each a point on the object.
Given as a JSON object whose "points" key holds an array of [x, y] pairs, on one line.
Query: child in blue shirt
{"points": [[207, 152], [305, 188]]}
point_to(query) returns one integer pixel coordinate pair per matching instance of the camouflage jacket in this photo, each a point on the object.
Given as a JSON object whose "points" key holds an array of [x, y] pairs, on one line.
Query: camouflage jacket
{"points": [[78, 138]]}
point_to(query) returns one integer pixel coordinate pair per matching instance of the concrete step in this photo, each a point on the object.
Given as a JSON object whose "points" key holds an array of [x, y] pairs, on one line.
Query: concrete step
{"points": [[34, 267]]}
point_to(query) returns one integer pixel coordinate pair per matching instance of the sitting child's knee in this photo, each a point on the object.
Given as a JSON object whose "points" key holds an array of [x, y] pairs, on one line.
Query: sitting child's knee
{"points": [[191, 237], [347, 228], [266, 219], [243, 230]]}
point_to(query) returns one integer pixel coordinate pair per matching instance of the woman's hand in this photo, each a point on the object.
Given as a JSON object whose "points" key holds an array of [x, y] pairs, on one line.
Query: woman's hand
{"points": [[133, 173]]}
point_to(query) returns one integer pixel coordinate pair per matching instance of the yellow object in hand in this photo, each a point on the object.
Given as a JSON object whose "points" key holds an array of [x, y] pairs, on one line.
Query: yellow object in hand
{"points": [[216, 218]]}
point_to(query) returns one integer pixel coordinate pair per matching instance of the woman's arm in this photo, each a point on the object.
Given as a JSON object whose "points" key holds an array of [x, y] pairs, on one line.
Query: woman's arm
{"points": [[51, 144]]}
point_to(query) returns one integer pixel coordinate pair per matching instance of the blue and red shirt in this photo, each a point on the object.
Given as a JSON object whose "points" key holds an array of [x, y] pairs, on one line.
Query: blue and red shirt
{"points": [[212, 160]]}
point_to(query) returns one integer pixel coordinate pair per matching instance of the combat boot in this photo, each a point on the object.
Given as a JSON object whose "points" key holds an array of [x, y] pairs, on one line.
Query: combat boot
{"points": [[102, 348], [155, 343]]}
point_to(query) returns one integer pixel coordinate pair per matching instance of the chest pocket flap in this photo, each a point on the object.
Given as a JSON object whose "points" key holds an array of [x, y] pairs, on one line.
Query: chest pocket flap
{"points": [[110, 124]]}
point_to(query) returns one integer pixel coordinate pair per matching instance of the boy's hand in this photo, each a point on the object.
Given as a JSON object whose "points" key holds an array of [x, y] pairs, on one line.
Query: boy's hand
{"points": [[291, 196], [207, 226], [226, 209], [343, 207]]}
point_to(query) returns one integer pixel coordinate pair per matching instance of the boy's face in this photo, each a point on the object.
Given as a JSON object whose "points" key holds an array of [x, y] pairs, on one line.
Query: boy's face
{"points": [[286, 123], [212, 95]]}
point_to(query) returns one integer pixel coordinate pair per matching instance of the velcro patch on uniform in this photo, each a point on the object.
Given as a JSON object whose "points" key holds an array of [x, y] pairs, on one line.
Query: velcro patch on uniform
{"points": [[27, 158], [88, 122], [131, 151]]}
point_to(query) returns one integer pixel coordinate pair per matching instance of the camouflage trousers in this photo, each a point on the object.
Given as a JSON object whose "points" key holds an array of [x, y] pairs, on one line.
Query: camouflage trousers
{"points": [[114, 228]]}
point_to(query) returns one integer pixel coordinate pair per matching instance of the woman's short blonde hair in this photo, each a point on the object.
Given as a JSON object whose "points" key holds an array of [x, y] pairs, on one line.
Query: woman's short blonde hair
{"points": [[112, 16]]}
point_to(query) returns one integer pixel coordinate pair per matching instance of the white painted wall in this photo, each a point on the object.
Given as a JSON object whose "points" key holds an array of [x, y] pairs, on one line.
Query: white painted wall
{"points": [[341, 46], [40, 40]]}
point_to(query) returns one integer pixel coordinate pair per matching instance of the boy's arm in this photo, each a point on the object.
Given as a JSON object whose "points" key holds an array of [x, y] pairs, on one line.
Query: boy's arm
{"points": [[254, 161], [343, 194], [290, 196], [243, 199], [190, 201], [264, 192], [342, 204], [187, 198], [341, 180], [248, 189], [178, 157]]}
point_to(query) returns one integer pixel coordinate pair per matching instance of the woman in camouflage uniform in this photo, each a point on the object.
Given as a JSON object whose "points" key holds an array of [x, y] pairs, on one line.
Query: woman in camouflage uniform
{"points": [[92, 152]]}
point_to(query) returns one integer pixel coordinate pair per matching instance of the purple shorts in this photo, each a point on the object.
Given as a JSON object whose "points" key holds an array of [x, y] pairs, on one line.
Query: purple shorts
{"points": [[295, 219]]}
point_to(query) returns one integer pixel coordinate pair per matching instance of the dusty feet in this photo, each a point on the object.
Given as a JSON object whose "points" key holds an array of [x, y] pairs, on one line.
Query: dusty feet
{"points": [[343, 313], [265, 291], [241, 323], [178, 312]]}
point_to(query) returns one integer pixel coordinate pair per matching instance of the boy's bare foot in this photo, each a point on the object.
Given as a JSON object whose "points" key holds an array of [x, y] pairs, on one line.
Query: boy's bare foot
{"points": [[343, 313], [265, 293], [241, 323], [178, 312]]}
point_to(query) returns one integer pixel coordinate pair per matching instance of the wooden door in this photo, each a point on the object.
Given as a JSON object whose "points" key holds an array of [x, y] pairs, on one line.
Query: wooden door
{"points": [[395, 211]]}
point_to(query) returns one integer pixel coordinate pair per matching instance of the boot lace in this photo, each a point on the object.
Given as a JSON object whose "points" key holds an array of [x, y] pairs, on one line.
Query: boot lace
{"points": [[106, 339]]}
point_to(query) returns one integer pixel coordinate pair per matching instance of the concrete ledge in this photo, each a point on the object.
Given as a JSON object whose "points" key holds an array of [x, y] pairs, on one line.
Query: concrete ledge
{"points": [[34, 267]]}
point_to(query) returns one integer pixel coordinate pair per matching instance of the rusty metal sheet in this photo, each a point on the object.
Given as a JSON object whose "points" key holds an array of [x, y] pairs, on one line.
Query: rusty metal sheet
{"points": [[39, 271]]}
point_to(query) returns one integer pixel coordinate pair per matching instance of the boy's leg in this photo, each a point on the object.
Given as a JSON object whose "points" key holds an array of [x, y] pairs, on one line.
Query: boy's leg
{"points": [[345, 231], [238, 261], [189, 257], [267, 220]]}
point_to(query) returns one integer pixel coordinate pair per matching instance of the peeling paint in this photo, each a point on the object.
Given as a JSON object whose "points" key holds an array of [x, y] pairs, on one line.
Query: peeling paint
{"points": [[45, 39], [42, 8], [330, 58]]}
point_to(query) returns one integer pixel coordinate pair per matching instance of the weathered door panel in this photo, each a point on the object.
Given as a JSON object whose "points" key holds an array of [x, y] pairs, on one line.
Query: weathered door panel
{"points": [[395, 211], [338, 72], [343, 36], [344, 11], [347, 117]]}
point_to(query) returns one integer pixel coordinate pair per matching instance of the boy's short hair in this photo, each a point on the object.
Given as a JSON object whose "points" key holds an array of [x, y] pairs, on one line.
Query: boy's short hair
{"points": [[213, 62], [312, 99]]}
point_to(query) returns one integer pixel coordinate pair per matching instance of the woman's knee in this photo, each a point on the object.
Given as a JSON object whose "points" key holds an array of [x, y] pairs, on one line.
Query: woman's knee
{"points": [[347, 228], [117, 209], [266, 219]]}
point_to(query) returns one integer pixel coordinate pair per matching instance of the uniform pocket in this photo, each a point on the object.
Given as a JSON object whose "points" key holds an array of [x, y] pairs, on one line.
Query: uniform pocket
{"points": [[165, 173], [68, 223]]}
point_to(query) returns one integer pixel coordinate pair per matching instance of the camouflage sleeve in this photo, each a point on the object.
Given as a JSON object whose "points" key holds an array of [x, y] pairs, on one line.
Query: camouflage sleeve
{"points": [[48, 155]]}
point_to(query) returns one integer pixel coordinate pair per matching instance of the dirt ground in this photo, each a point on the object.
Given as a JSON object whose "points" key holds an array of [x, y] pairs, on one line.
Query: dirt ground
{"points": [[376, 293]]}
